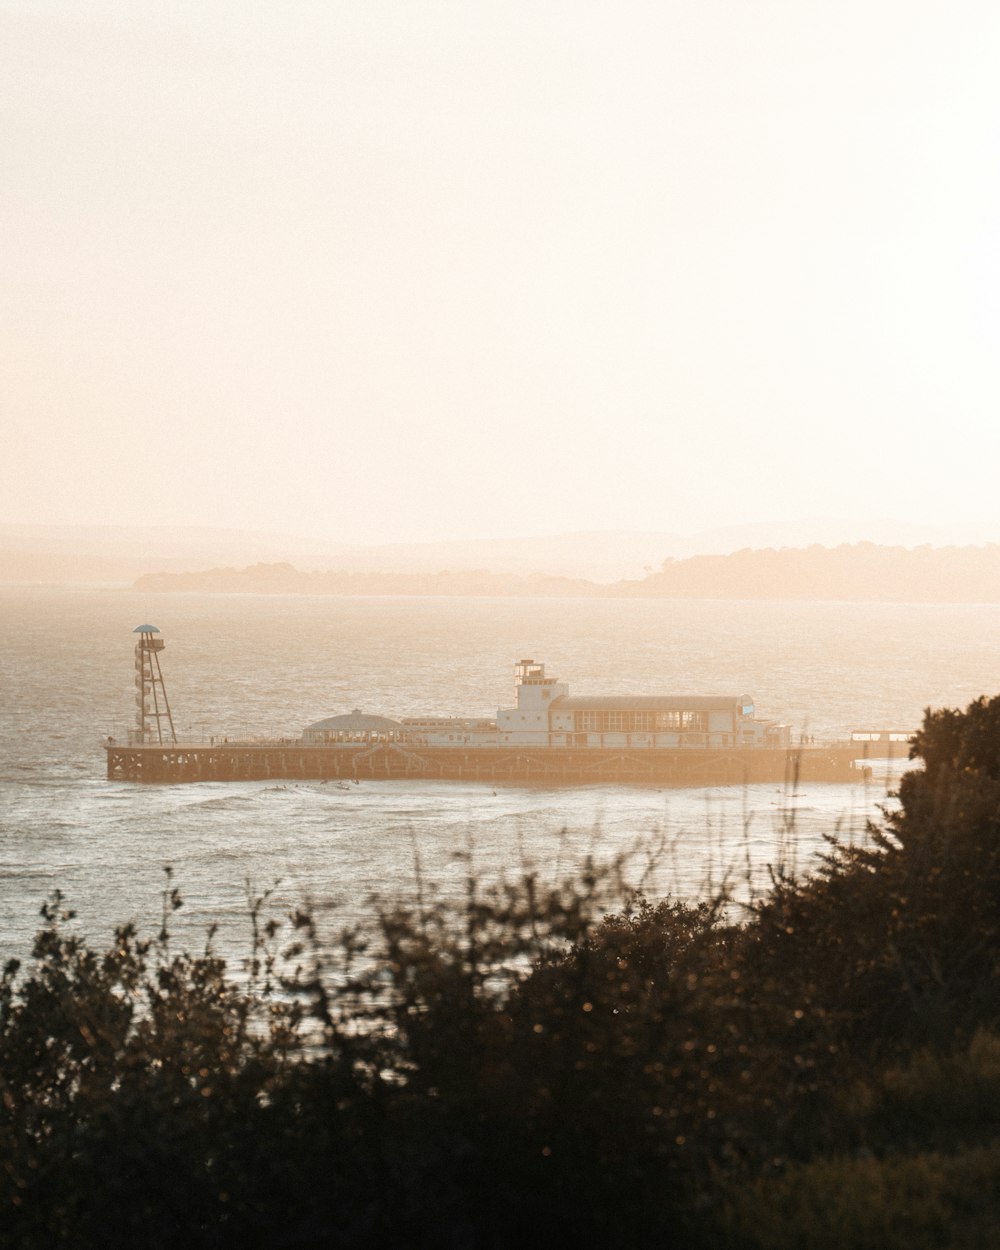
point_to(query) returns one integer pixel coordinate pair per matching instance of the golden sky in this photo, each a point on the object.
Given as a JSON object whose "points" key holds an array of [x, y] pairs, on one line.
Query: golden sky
{"points": [[412, 269]]}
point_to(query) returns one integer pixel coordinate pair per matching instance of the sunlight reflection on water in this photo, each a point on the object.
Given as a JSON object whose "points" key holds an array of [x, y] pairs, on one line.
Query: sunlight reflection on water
{"points": [[272, 665]]}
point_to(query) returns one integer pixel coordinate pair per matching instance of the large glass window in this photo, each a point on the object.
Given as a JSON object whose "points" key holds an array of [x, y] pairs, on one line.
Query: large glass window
{"points": [[614, 721]]}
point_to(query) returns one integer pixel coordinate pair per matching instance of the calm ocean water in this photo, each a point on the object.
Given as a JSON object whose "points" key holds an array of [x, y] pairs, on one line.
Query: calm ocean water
{"points": [[270, 665]]}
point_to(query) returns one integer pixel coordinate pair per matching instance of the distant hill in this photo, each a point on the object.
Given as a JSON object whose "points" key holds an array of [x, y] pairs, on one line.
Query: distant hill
{"points": [[859, 571], [86, 554]]}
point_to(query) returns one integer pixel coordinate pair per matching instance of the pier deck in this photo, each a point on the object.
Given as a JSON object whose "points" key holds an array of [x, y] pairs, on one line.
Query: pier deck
{"points": [[294, 760]]}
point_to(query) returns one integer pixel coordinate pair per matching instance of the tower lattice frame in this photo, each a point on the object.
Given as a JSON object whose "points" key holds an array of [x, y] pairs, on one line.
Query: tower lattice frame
{"points": [[153, 720]]}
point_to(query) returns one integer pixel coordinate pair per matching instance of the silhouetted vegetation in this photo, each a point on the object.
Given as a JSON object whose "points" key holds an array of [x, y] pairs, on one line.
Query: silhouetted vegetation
{"points": [[858, 571], [533, 1068]]}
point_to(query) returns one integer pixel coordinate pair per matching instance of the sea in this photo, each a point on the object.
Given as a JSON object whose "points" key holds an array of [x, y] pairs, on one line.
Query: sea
{"points": [[244, 666]]}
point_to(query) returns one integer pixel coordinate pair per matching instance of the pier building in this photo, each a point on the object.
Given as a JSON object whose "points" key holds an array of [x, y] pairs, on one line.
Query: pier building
{"points": [[547, 715]]}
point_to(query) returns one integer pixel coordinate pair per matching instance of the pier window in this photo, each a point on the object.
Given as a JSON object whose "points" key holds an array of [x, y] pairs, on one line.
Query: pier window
{"points": [[680, 722], [615, 721]]}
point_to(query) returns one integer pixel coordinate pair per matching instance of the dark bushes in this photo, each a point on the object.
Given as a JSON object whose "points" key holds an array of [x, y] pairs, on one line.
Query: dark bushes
{"points": [[525, 1070]]}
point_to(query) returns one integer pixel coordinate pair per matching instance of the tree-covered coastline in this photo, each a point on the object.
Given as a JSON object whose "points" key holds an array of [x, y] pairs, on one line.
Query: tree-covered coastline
{"points": [[866, 572], [534, 1067]]}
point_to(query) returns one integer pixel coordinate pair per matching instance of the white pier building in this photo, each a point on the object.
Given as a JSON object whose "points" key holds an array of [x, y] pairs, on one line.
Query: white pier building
{"points": [[547, 716]]}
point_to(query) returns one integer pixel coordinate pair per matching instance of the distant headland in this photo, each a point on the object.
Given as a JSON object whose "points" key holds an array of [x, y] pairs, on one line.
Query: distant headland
{"points": [[859, 571]]}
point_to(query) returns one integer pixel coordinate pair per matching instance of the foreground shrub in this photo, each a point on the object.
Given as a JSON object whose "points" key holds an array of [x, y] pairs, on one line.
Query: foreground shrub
{"points": [[900, 1202], [924, 1170]]}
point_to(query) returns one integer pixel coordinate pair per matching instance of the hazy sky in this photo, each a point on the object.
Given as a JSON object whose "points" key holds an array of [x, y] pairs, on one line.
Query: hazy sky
{"points": [[388, 269]]}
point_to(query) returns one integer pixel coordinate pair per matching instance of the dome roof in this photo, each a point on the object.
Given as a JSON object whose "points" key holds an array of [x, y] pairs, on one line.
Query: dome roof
{"points": [[354, 722]]}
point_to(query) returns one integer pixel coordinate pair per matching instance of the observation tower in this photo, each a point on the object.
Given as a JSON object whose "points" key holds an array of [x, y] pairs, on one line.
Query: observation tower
{"points": [[153, 722]]}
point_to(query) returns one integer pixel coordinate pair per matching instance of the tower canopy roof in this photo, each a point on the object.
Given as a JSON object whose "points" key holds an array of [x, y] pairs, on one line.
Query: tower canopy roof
{"points": [[145, 629]]}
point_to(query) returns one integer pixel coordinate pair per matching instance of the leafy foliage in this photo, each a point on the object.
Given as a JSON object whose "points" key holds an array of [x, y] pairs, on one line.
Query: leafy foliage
{"points": [[533, 1065]]}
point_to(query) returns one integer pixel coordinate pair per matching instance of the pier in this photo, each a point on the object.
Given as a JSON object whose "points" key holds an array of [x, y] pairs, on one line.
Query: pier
{"points": [[547, 739], [303, 761]]}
